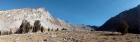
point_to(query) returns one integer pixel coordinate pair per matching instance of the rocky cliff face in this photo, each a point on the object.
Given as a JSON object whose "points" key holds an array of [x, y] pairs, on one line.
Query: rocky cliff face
{"points": [[12, 19], [131, 16]]}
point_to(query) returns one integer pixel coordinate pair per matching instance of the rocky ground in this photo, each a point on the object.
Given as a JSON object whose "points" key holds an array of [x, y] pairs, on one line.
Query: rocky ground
{"points": [[71, 36]]}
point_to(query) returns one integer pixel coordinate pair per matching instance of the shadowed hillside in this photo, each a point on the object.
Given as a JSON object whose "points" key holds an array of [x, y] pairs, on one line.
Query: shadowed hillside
{"points": [[131, 16]]}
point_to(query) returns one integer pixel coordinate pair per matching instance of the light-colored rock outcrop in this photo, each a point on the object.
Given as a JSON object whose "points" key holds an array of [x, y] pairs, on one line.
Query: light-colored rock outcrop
{"points": [[12, 19]]}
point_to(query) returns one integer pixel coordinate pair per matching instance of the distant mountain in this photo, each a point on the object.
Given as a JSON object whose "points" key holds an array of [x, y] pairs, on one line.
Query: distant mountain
{"points": [[12, 19], [131, 16]]}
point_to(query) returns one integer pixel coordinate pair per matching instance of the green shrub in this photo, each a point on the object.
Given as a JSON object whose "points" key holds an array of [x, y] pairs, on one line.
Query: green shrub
{"points": [[5, 33], [42, 28], [28, 27], [25, 27], [91, 30], [123, 27], [0, 32], [21, 28], [37, 26], [48, 29], [63, 29]]}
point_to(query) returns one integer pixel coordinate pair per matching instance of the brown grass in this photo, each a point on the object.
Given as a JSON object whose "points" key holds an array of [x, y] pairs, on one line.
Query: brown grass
{"points": [[71, 36]]}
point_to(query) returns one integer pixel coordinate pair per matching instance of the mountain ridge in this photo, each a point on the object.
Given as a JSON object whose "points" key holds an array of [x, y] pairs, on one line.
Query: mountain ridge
{"points": [[131, 16], [12, 19]]}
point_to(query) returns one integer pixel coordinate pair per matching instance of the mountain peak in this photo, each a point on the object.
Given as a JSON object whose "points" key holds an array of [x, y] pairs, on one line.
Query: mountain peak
{"points": [[131, 16], [138, 5], [12, 19]]}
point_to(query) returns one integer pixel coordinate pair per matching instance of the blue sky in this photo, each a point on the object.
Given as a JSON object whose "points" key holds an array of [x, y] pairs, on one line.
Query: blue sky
{"points": [[88, 12]]}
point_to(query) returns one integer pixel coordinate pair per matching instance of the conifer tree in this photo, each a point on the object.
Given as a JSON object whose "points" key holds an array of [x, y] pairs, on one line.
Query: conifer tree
{"points": [[123, 27]]}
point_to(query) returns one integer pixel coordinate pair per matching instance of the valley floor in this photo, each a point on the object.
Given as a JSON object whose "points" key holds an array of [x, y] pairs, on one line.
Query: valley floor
{"points": [[71, 36]]}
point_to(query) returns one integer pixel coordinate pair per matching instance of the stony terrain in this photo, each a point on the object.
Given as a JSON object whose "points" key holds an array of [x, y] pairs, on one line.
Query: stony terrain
{"points": [[71, 36], [12, 19]]}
